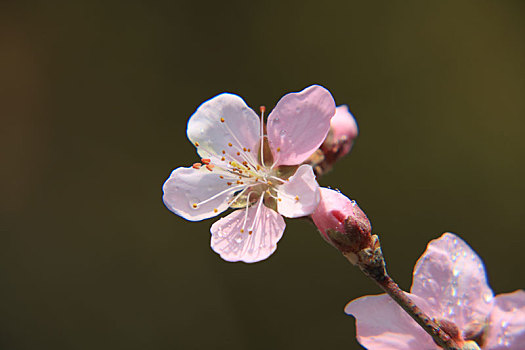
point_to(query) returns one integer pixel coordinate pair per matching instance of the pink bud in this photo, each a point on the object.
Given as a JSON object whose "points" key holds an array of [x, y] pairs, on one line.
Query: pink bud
{"points": [[343, 131], [341, 222]]}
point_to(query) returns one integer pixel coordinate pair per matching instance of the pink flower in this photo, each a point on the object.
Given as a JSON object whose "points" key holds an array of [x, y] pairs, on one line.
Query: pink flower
{"points": [[450, 285], [243, 168]]}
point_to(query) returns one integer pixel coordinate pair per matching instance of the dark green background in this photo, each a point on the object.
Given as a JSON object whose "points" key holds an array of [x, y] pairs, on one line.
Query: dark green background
{"points": [[95, 96]]}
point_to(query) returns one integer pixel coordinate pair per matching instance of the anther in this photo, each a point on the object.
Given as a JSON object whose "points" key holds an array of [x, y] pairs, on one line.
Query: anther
{"points": [[269, 183], [244, 149], [209, 167], [250, 232], [196, 165], [205, 161], [196, 144], [215, 210], [223, 152], [194, 205], [238, 153], [296, 198], [223, 159], [258, 167], [279, 199], [222, 177], [230, 144], [263, 109], [249, 150], [229, 183], [245, 163], [242, 230], [222, 120], [278, 149]]}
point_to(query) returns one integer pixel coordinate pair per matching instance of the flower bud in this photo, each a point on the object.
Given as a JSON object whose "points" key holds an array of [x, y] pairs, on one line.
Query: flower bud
{"points": [[342, 223], [343, 131]]}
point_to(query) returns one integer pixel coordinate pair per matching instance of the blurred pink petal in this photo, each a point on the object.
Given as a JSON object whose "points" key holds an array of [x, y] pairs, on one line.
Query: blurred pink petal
{"points": [[383, 325], [449, 285], [248, 235], [451, 277], [299, 124], [507, 322]]}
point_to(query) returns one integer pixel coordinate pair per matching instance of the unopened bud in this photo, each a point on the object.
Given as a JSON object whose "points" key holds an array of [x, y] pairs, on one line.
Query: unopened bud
{"points": [[343, 131], [342, 223]]}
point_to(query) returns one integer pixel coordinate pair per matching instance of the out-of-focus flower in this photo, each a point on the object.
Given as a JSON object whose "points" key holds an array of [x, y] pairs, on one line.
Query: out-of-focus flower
{"points": [[450, 285], [341, 222], [243, 168]]}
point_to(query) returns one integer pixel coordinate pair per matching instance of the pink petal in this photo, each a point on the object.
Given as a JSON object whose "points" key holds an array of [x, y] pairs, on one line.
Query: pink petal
{"points": [[299, 196], [267, 228], [225, 123], [507, 322], [299, 123], [382, 324], [450, 276], [188, 186]]}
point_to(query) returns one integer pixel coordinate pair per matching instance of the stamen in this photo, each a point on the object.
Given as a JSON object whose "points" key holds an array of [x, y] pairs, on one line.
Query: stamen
{"points": [[205, 161], [257, 213], [196, 165], [262, 133], [229, 189], [246, 212]]}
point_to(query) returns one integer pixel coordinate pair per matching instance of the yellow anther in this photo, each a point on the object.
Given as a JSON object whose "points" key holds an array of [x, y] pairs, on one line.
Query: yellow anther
{"points": [[222, 177], [242, 230], [215, 210], [296, 198], [279, 199], [196, 144], [278, 149], [269, 183], [222, 120], [258, 167], [230, 144], [194, 205], [223, 158], [248, 150], [244, 149]]}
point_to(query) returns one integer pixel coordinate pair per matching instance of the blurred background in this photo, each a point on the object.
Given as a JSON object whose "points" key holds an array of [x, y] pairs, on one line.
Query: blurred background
{"points": [[95, 96]]}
